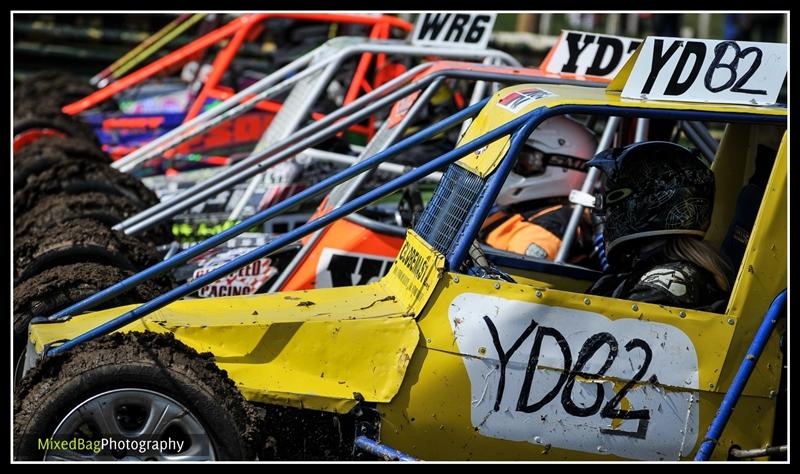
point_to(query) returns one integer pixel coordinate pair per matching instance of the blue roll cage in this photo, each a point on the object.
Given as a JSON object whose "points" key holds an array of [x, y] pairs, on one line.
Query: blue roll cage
{"points": [[519, 129]]}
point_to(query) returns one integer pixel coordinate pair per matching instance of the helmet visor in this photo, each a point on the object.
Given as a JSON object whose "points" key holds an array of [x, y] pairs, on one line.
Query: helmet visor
{"points": [[532, 162]]}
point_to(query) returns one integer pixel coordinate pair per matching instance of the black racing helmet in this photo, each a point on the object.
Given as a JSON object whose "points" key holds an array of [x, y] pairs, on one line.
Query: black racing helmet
{"points": [[653, 189]]}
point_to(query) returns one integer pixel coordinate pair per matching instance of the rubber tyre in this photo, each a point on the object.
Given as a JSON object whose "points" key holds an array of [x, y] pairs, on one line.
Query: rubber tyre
{"points": [[60, 287], [156, 362], [58, 87], [72, 146], [48, 152], [83, 241], [79, 176], [41, 116], [104, 208]]}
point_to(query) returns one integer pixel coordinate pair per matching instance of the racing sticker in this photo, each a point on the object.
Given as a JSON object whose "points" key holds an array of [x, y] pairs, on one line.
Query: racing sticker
{"points": [[465, 30], [577, 380], [515, 100], [245, 281], [733, 72], [589, 54], [242, 130], [339, 268], [414, 274]]}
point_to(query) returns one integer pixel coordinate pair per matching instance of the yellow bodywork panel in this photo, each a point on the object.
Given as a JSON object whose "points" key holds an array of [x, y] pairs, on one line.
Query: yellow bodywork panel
{"points": [[762, 275], [321, 349], [449, 409], [315, 349], [542, 280]]}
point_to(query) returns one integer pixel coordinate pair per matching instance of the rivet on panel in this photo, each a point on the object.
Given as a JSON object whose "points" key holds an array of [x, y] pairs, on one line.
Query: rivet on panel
{"points": [[587, 301], [635, 307], [455, 279], [497, 286], [682, 314], [731, 321], [538, 294]]}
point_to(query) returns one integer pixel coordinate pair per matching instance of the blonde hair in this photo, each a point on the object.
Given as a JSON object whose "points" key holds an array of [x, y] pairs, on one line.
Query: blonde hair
{"points": [[703, 255]]}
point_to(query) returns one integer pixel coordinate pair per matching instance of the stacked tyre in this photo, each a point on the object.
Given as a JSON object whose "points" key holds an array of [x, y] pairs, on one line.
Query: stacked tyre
{"points": [[67, 198], [37, 108]]}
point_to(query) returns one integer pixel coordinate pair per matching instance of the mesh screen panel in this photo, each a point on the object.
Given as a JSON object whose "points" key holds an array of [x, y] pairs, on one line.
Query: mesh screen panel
{"points": [[453, 199]]}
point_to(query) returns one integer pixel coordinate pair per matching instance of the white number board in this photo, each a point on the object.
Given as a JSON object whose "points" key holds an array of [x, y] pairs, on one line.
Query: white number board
{"points": [[730, 72], [466, 30], [589, 54], [576, 379]]}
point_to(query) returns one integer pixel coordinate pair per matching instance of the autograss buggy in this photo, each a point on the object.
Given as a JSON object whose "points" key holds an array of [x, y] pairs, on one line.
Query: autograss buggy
{"points": [[456, 353]]}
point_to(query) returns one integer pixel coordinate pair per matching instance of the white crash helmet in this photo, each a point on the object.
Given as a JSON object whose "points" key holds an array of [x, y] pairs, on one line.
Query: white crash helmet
{"points": [[551, 163]]}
